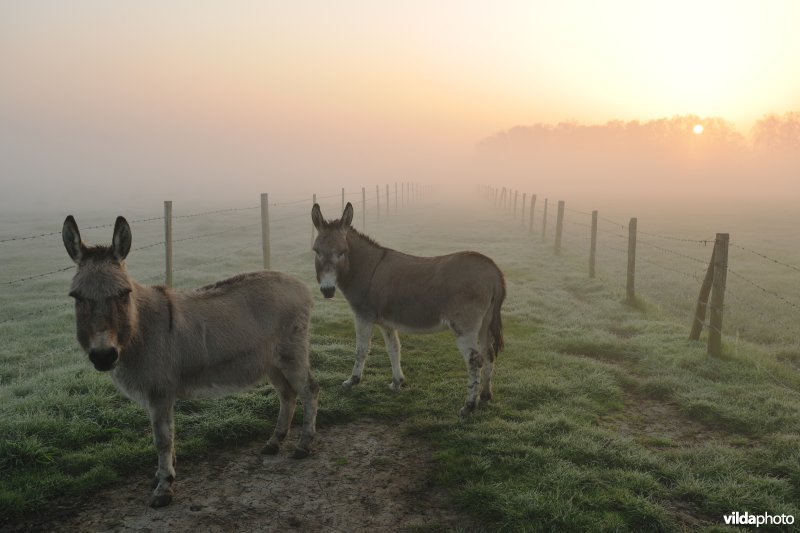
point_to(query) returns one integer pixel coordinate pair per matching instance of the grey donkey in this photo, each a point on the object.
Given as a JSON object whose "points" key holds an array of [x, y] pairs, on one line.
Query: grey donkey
{"points": [[160, 345], [462, 292]]}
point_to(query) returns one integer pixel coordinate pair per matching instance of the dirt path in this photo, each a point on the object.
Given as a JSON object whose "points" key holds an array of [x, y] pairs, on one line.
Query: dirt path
{"points": [[362, 477]]}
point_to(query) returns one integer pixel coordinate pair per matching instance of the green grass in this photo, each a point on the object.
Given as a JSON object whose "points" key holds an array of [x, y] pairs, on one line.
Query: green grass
{"points": [[605, 417]]}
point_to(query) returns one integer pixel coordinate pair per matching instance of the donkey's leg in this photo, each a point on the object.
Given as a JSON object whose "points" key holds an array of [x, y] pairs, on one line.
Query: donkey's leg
{"points": [[161, 418], [363, 342], [467, 343], [288, 400], [298, 374], [392, 341], [488, 359], [486, 374]]}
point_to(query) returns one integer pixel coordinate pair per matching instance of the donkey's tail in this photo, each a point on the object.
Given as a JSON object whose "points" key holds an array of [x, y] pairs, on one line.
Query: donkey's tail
{"points": [[496, 324]]}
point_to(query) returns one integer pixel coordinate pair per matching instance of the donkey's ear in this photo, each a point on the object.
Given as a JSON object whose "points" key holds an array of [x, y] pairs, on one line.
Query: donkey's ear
{"points": [[316, 217], [347, 216], [72, 239], [121, 244]]}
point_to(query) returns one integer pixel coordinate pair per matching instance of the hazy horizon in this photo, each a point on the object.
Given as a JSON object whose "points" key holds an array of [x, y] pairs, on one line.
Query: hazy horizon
{"points": [[212, 103]]}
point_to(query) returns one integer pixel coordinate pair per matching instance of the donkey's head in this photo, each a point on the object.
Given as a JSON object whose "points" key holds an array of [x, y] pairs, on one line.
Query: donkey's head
{"points": [[105, 313], [332, 257]]}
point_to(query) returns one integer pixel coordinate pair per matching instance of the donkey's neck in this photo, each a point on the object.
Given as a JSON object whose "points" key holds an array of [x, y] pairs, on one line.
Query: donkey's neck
{"points": [[364, 257], [153, 309]]}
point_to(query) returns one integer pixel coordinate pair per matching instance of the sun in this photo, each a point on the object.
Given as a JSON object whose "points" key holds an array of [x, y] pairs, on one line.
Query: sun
{"points": [[698, 129]]}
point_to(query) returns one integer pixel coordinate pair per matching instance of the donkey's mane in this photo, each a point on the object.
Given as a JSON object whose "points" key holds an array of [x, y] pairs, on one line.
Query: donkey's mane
{"points": [[366, 238]]}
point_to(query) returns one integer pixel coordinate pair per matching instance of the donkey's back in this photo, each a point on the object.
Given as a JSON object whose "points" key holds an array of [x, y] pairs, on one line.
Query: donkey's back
{"points": [[230, 333]]}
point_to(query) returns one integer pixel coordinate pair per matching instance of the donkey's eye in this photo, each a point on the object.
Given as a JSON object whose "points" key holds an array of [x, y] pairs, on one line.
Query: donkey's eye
{"points": [[340, 255]]}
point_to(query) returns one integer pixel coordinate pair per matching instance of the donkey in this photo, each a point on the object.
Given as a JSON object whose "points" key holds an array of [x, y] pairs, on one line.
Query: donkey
{"points": [[462, 291], [160, 345]]}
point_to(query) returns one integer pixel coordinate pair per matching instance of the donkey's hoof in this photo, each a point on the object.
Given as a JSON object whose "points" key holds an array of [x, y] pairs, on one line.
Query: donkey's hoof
{"points": [[466, 410], [300, 453], [396, 385], [270, 448], [353, 380], [161, 500], [486, 396]]}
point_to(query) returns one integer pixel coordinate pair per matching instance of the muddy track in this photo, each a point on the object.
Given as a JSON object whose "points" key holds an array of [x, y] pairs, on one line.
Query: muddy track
{"points": [[362, 477]]}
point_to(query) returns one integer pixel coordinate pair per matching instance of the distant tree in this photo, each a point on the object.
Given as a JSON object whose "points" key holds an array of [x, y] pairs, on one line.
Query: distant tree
{"points": [[778, 133]]}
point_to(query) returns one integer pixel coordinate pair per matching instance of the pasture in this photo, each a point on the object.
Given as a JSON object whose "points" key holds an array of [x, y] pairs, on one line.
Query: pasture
{"points": [[605, 416]]}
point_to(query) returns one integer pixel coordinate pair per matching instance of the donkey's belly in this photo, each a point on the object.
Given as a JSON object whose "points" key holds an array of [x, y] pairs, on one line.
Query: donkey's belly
{"points": [[222, 379], [415, 327]]}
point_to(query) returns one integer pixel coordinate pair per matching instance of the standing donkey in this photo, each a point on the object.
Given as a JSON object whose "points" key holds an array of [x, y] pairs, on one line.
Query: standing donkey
{"points": [[160, 344], [462, 291]]}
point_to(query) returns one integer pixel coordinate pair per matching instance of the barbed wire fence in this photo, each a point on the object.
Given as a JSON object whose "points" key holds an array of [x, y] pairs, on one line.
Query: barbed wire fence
{"points": [[49, 286], [652, 262], [207, 245]]}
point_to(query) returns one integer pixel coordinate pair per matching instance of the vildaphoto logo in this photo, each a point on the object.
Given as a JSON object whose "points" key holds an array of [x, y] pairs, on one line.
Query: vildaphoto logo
{"points": [[746, 519]]}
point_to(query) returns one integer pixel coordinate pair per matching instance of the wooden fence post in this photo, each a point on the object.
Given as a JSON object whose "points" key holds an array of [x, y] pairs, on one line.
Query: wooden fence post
{"points": [[265, 229], [313, 201], [522, 212], [387, 199], [342, 199], [559, 226], [378, 201], [395, 196], [593, 245], [516, 193], [544, 221], [629, 286], [533, 205], [364, 209], [718, 293], [702, 300], [168, 242]]}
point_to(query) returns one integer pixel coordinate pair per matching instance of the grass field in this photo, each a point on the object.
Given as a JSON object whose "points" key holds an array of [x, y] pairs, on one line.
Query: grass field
{"points": [[605, 417]]}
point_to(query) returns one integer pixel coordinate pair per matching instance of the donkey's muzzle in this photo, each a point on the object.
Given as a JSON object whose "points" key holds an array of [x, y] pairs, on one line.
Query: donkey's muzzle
{"points": [[328, 292], [104, 359]]}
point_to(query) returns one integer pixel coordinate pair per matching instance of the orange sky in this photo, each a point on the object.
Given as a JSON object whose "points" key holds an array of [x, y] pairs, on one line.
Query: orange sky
{"points": [[354, 85]]}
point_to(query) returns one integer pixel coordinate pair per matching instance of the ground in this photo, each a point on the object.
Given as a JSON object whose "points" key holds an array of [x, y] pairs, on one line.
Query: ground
{"points": [[363, 476]]}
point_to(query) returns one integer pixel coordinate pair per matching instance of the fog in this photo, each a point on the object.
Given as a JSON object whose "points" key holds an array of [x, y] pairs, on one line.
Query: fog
{"points": [[119, 107]]}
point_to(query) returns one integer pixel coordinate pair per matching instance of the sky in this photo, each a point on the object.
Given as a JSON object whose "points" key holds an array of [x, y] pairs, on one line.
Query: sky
{"points": [[135, 101]]}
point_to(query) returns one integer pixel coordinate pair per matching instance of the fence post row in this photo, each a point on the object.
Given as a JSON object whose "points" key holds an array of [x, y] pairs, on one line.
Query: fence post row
{"points": [[168, 242], [712, 290], [265, 229], [629, 286], [718, 293]]}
